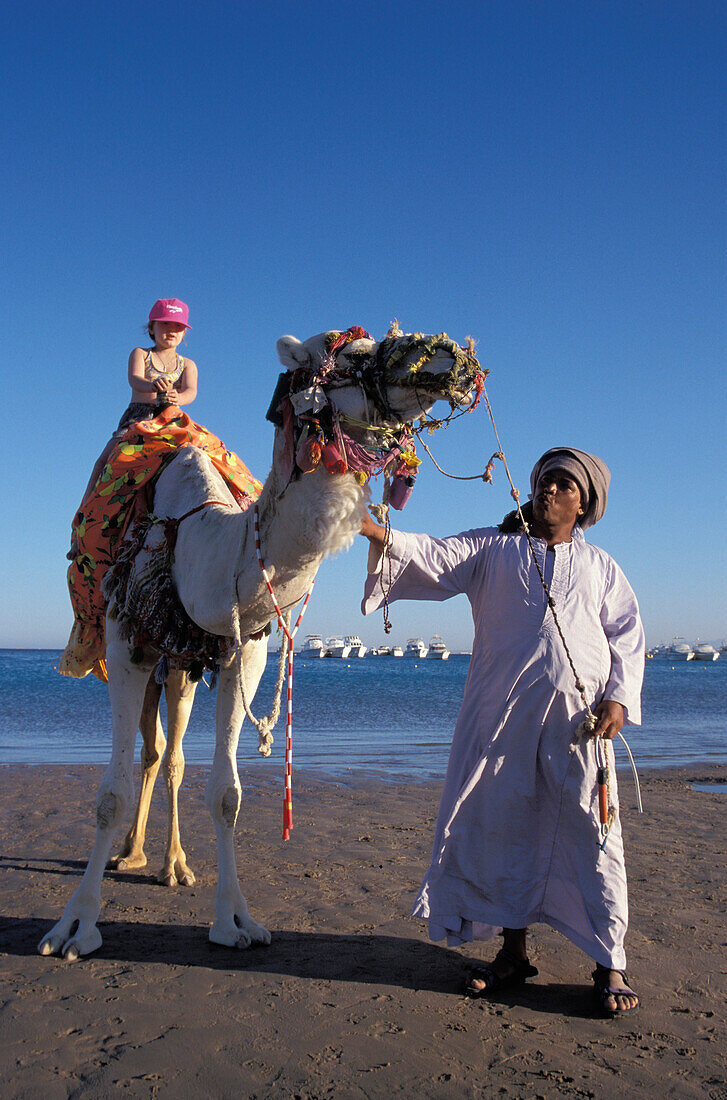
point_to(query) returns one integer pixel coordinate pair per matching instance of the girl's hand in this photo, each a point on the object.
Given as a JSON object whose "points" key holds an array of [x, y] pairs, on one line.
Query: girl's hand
{"points": [[161, 385]]}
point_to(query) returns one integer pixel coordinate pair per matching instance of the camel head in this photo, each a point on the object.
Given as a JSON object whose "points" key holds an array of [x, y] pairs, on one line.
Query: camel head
{"points": [[379, 383]]}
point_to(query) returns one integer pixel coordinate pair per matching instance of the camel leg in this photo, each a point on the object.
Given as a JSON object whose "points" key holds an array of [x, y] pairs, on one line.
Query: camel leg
{"points": [[180, 697], [233, 926], [131, 855], [76, 933]]}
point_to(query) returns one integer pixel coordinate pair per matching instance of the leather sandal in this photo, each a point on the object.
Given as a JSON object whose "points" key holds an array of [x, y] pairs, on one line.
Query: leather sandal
{"points": [[602, 990], [519, 971]]}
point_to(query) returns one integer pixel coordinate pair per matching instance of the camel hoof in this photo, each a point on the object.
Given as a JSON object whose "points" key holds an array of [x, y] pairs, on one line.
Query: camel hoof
{"points": [[166, 878], [128, 862], [187, 879], [80, 943]]}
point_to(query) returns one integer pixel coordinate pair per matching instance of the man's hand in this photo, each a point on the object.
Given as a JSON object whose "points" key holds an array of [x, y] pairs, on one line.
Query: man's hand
{"points": [[610, 717], [374, 532]]}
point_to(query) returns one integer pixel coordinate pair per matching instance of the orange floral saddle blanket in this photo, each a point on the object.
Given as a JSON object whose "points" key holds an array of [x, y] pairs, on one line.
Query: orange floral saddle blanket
{"points": [[122, 495]]}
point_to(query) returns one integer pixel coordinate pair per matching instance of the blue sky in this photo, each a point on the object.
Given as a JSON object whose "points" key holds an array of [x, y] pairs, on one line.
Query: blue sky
{"points": [[548, 177]]}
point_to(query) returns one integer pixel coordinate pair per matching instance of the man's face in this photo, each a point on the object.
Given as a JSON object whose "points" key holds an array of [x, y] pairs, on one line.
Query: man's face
{"points": [[557, 500]]}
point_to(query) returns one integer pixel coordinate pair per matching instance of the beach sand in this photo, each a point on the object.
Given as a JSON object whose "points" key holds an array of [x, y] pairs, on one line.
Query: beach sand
{"points": [[350, 999]]}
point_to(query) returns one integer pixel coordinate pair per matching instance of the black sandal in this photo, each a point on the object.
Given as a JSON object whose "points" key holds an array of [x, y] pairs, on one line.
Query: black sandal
{"points": [[520, 971], [602, 990]]}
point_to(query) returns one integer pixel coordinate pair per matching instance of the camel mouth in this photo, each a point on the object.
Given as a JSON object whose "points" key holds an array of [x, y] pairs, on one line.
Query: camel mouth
{"points": [[432, 364]]}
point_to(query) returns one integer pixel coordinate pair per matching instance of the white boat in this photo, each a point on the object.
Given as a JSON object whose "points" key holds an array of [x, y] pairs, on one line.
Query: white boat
{"points": [[397, 651], [357, 648], [380, 651], [312, 646], [679, 650], [336, 647], [437, 649], [703, 651], [415, 648]]}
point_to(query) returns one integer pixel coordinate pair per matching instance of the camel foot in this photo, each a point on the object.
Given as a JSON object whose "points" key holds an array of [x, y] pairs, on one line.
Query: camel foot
{"points": [[128, 861], [71, 940], [239, 932], [176, 873]]}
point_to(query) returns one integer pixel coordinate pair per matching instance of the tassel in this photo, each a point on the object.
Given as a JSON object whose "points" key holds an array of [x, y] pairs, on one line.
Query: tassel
{"points": [[333, 460], [400, 491], [162, 670], [196, 671], [308, 456]]}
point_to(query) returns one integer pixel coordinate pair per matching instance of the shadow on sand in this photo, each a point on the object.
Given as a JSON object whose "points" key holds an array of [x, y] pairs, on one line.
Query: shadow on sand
{"points": [[368, 959]]}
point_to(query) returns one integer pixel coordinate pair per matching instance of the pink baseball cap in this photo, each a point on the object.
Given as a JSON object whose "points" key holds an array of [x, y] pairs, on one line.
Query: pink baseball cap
{"points": [[170, 309]]}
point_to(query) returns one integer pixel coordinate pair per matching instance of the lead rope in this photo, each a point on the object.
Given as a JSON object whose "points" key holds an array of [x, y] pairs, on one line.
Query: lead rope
{"points": [[289, 635]]}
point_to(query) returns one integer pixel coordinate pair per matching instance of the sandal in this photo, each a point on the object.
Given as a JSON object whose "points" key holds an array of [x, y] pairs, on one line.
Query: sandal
{"points": [[602, 990], [519, 971]]}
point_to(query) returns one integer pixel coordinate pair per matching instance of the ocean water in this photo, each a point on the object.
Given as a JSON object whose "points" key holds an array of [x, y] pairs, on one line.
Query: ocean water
{"points": [[390, 716]]}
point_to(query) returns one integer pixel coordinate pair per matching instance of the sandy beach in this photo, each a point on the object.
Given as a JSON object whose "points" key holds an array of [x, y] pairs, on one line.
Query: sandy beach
{"points": [[350, 999]]}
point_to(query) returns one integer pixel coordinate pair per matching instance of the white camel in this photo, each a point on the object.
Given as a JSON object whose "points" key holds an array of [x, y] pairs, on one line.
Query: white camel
{"points": [[371, 390]]}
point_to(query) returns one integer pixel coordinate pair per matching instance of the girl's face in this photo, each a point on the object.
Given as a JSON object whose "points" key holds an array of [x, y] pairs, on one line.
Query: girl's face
{"points": [[168, 334]]}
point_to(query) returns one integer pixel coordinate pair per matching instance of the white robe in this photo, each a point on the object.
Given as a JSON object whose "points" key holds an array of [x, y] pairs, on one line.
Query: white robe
{"points": [[517, 838]]}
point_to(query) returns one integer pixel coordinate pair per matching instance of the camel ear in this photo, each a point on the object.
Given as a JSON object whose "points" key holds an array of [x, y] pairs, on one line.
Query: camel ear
{"points": [[292, 353]]}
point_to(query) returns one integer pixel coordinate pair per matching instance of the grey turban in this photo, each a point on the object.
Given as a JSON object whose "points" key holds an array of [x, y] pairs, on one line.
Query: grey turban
{"points": [[590, 474]]}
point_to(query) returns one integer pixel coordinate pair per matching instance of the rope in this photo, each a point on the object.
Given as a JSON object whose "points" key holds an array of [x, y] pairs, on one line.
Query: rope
{"points": [[289, 635], [486, 476], [266, 725]]}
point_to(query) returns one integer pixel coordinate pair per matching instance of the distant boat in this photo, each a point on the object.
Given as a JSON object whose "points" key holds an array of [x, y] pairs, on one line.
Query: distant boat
{"points": [[679, 650], [703, 651], [415, 648], [356, 646], [313, 646], [437, 649], [380, 651], [336, 647], [397, 651]]}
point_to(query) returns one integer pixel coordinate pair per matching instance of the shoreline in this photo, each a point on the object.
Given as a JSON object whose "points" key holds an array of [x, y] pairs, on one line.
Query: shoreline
{"points": [[692, 772], [350, 998]]}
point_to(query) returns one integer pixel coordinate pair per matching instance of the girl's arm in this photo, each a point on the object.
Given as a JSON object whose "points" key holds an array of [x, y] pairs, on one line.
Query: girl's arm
{"points": [[187, 384]]}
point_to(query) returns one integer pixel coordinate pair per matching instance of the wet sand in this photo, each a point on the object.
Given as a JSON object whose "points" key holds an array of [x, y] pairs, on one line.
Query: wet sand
{"points": [[350, 999]]}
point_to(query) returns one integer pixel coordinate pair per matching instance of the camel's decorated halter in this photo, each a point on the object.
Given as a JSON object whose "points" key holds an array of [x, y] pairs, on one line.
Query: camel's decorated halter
{"points": [[290, 635]]}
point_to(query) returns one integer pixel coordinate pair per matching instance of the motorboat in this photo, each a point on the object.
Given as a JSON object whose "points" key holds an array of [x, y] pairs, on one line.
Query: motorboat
{"points": [[380, 651], [679, 650], [437, 649], [397, 651], [703, 651], [356, 646], [336, 647], [312, 646], [415, 648]]}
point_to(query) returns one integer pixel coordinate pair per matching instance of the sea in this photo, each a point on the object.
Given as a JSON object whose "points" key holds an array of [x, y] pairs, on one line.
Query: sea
{"points": [[391, 717]]}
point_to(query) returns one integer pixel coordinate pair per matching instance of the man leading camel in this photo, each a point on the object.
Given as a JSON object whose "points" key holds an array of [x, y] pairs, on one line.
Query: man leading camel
{"points": [[517, 838]]}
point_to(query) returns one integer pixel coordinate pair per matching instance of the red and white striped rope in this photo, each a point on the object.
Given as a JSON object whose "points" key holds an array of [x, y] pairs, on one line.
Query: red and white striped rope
{"points": [[290, 635]]}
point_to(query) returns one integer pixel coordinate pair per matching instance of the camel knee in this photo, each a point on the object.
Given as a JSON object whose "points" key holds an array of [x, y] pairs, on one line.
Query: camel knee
{"points": [[109, 809], [224, 805], [152, 754], [173, 767]]}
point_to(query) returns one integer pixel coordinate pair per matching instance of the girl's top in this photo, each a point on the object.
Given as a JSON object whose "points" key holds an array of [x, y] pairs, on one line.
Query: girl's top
{"points": [[152, 372]]}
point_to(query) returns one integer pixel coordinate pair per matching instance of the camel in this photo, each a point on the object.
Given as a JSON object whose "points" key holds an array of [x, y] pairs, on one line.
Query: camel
{"points": [[371, 392]]}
